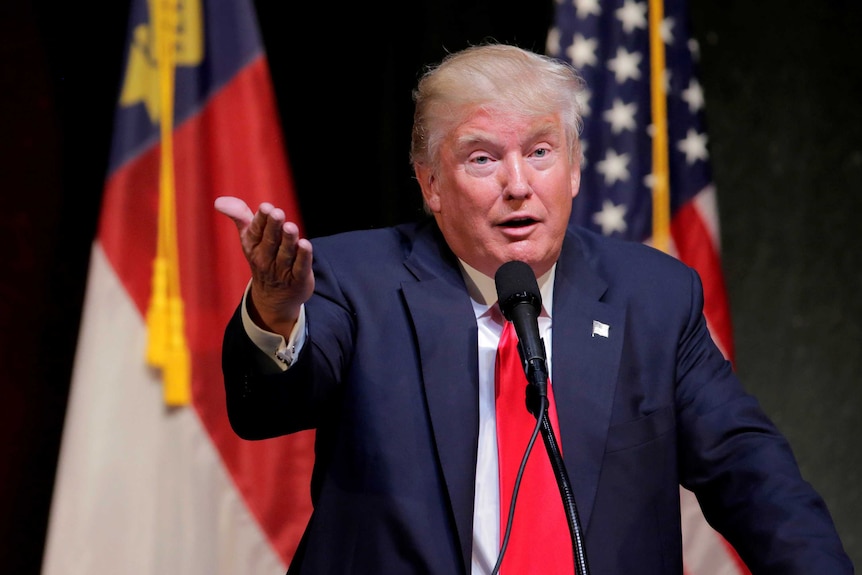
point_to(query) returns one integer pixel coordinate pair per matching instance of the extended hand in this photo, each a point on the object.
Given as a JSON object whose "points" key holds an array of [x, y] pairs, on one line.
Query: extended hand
{"points": [[279, 259]]}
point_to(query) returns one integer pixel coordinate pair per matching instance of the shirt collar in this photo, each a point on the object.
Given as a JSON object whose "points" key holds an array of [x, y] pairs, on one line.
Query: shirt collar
{"points": [[483, 290]]}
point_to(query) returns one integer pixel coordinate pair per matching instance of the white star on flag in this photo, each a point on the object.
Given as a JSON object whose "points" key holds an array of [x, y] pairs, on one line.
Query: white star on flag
{"points": [[586, 7], [582, 52], [621, 116], [614, 167], [612, 218], [693, 96], [625, 65], [693, 146], [632, 15]]}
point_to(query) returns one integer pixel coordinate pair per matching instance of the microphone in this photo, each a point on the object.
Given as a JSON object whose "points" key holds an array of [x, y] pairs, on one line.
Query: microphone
{"points": [[521, 302]]}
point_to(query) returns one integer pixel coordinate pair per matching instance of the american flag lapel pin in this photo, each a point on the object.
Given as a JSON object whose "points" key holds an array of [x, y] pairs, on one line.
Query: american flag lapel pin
{"points": [[600, 329]]}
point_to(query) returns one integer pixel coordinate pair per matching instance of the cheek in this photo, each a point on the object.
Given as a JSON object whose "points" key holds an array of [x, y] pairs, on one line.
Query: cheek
{"points": [[459, 200]]}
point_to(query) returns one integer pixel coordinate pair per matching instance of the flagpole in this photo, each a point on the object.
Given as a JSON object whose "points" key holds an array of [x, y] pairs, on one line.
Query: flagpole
{"points": [[660, 163]]}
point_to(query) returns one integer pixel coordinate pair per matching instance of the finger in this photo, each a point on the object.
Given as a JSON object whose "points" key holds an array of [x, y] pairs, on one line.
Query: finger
{"points": [[271, 235], [287, 248], [255, 230], [235, 209], [302, 261]]}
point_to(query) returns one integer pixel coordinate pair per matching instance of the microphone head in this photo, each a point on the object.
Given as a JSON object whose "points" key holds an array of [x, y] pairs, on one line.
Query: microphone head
{"points": [[516, 284]]}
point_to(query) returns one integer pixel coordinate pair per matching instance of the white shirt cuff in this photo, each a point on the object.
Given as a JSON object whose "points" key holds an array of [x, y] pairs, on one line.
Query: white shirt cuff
{"points": [[283, 353]]}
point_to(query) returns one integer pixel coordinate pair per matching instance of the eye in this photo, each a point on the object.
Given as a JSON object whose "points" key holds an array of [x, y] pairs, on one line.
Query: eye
{"points": [[481, 160], [541, 152]]}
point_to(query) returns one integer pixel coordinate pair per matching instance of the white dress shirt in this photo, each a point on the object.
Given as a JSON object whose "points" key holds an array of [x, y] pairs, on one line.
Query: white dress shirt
{"points": [[489, 318]]}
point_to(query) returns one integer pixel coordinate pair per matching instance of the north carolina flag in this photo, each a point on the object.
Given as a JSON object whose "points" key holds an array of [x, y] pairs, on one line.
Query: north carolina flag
{"points": [[646, 175], [151, 479]]}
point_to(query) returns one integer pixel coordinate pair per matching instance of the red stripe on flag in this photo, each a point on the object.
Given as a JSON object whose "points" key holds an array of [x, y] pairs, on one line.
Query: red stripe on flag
{"points": [[696, 248]]}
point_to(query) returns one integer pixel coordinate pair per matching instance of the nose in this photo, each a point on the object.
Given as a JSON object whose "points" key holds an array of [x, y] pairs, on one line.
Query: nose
{"points": [[517, 182]]}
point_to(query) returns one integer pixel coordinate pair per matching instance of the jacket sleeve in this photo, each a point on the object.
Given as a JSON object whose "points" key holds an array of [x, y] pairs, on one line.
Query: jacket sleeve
{"points": [[742, 469], [263, 401]]}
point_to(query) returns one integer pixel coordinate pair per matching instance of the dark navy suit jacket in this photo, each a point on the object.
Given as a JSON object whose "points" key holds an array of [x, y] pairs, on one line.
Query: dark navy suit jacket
{"points": [[389, 379]]}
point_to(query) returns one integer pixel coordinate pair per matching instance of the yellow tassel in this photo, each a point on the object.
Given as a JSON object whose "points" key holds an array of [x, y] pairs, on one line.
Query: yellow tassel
{"points": [[157, 315], [176, 375], [176, 370], [166, 347]]}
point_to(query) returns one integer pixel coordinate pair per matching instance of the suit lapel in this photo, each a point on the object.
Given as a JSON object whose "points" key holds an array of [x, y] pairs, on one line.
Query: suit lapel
{"points": [[447, 335], [585, 367]]}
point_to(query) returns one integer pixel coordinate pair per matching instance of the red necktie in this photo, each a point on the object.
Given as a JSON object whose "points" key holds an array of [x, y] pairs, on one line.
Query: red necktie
{"points": [[540, 542]]}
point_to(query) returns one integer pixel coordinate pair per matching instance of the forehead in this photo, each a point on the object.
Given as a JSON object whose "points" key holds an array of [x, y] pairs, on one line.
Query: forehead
{"points": [[494, 125]]}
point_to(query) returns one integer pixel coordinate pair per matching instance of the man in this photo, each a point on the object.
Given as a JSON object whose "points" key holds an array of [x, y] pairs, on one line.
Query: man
{"points": [[383, 341]]}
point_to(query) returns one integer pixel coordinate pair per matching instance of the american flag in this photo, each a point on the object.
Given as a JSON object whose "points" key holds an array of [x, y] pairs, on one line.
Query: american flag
{"points": [[608, 41]]}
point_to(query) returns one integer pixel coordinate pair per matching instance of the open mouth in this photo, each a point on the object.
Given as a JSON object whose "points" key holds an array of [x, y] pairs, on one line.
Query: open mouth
{"points": [[518, 223]]}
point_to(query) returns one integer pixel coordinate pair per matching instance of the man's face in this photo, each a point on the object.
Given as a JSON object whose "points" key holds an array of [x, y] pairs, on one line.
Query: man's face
{"points": [[503, 190]]}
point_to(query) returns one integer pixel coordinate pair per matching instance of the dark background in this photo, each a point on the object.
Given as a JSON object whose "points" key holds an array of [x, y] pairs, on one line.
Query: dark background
{"points": [[782, 81]]}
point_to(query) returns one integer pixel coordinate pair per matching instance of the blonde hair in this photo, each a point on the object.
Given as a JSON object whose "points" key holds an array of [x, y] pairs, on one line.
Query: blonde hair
{"points": [[506, 78]]}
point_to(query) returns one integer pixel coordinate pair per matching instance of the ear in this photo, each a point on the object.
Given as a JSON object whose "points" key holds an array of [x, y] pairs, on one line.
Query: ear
{"points": [[576, 156], [428, 184], [576, 178]]}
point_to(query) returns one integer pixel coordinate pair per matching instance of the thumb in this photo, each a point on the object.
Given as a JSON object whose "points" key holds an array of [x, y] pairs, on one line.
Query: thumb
{"points": [[235, 209]]}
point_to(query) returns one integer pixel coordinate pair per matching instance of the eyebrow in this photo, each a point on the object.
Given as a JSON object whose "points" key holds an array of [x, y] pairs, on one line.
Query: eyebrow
{"points": [[479, 136]]}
